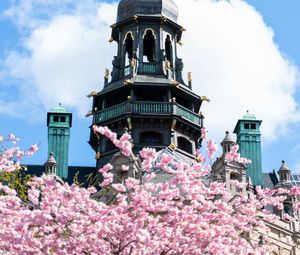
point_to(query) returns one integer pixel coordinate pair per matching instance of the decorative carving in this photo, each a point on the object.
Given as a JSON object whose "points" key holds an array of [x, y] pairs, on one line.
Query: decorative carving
{"points": [[128, 82], [168, 64], [205, 98], [189, 75], [175, 83], [90, 113], [98, 156], [164, 18], [129, 123], [92, 94], [133, 64], [172, 146], [106, 73]]}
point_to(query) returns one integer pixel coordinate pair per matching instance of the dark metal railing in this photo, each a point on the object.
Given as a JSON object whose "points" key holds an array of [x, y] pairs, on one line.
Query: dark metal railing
{"points": [[146, 107]]}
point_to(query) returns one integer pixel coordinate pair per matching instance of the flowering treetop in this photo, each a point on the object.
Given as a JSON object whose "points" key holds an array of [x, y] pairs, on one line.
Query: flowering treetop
{"points": [[182, 216]]}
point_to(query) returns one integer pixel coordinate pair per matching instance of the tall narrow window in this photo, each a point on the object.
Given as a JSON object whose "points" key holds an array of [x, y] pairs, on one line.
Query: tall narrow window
{"points": [[149, 46], [129, 46], [169, 50]]}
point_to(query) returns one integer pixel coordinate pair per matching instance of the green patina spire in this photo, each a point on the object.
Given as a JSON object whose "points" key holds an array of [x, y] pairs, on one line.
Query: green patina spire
{"points": [[59, 122], [249, 141]]}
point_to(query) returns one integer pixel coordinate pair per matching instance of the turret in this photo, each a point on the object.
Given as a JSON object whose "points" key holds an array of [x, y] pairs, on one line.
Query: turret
{"points": [[59, 123], [50, 165], [147, 94], [248, 135]]}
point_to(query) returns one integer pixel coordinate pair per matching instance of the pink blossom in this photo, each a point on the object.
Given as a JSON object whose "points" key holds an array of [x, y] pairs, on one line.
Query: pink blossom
{"points": [[203, 133], [125, 168], [119, 187], [34, 148], [212, 147], [11, 137], [182, 215]]}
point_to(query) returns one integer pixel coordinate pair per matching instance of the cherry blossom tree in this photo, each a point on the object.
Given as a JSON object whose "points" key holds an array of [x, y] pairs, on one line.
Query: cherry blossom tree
{"points": [[182, 216]]}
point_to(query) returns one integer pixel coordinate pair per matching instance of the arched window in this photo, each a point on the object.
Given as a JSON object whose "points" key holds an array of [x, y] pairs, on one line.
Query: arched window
{"points": [[185, 145], [151, 138], [149, 45], [129, 47], [169, 50]]}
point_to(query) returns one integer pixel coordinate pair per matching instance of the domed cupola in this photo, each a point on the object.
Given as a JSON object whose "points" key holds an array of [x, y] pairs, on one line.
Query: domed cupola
{"points": [[129, 8]]}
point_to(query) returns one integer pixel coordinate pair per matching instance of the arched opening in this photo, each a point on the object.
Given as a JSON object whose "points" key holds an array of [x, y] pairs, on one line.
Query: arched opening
{"points": [[149, 46], [151, 138], [128, 48], [169, 49], [185, 145]]}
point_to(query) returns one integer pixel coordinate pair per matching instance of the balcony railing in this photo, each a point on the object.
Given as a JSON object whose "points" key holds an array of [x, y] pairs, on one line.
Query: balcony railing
{"points": [[151, 107], [148, 108], [187, 114], [149, 67], [127, 70], [110, 113]]}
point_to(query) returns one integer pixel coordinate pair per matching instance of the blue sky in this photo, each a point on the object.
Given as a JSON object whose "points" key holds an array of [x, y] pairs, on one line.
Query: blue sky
{"points": [[61, 45]]}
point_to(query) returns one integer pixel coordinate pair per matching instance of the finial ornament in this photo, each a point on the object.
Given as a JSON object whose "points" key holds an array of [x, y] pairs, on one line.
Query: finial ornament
{"points": [[190, 79], [106, 73], [172, 146], [227, 133], [205, 98], [98, 156], [92, 94], [90, 113]]}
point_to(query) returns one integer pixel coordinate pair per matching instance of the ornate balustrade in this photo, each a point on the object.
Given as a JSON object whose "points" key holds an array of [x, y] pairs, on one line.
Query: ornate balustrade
{"points": [[127, 70], [147, 108], [149, 67]]}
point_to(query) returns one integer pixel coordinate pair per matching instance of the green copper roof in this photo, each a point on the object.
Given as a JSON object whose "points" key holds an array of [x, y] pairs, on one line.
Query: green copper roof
{"points": [[59, 109], [249, 116]]}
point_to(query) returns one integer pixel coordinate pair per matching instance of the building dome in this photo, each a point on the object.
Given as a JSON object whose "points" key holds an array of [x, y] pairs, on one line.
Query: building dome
{"points": [[129, 8], [59, 109]]}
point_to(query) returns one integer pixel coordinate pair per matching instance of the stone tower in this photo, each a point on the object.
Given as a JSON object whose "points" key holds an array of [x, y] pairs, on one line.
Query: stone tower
{"points": [[146, 94], [59, 122], [249, 139]]}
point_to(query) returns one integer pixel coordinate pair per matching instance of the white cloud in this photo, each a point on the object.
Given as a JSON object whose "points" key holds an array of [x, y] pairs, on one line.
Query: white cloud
{"points": [[64, 58], [227, 46]]}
